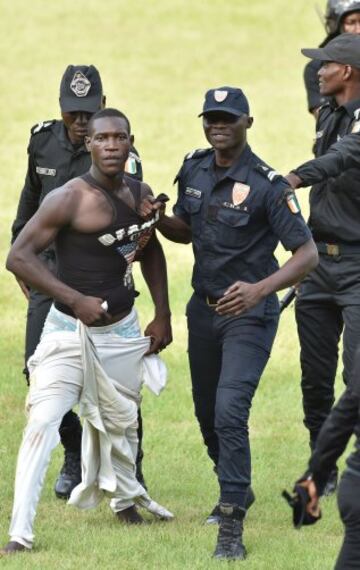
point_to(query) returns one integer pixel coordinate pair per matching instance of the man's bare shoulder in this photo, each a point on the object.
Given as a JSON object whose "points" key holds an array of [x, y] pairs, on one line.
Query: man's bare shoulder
{"points": [[145, 190], [72, 191]]}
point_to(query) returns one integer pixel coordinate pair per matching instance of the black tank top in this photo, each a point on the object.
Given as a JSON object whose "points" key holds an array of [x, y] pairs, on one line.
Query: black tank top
{"points": [[100, 263]]}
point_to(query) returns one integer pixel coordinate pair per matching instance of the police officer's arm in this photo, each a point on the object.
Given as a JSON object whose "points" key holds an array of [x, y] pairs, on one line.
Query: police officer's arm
{"points": [[153, 268], [293, 233], [28, 204], [241, 296], [56, 211], [330, 445], [340, 156]]}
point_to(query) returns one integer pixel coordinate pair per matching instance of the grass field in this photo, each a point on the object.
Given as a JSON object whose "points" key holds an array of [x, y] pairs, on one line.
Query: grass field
{"points": [[156, 59]]}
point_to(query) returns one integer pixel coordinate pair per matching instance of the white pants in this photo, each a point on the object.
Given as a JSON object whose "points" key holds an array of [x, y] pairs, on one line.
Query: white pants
{"points": [[57, 384]]}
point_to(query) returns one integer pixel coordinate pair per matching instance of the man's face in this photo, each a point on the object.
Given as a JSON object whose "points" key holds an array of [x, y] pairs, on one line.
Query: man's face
{"points": [[351, 23], [331, 78], [76, 125], [225, 131], [109, 143]]}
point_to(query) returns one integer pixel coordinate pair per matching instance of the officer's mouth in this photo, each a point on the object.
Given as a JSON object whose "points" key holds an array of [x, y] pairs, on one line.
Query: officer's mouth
{"points": [[219, 137]]}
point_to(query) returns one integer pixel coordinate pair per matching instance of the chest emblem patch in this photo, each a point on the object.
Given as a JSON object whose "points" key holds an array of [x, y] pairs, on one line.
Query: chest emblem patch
{"points": [[239, 193]]}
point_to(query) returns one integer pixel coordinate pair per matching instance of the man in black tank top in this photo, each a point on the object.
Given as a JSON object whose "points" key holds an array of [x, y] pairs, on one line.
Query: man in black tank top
{"points": [[97, 234], [57, 153]]}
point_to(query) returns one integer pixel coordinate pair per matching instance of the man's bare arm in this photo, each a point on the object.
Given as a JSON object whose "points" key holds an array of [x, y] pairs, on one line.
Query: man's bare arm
{"points": [[153, 267], [171, 227], [56, 211]]}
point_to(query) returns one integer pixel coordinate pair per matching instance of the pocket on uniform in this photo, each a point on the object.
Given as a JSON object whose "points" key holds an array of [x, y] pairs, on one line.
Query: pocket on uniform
{"points": [[193, 208], [231, 226]]}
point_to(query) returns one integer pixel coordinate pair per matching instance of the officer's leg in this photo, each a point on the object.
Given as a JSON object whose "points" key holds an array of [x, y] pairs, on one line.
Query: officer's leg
{"points": [[319, 329], [349, 507], [351, 338], [205, 365], [246, 350]]}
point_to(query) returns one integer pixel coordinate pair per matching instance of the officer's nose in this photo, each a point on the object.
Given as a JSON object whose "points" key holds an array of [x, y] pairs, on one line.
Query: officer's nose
{"points": [[82, 118]]}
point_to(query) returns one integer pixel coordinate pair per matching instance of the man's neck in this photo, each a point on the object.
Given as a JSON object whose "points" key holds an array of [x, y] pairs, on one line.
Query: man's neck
{"points": [[227, 157], [351, 93], [110, 183]]}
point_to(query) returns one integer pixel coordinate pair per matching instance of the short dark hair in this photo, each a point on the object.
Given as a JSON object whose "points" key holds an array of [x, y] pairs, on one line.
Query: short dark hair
{"points": [[108, 112]]}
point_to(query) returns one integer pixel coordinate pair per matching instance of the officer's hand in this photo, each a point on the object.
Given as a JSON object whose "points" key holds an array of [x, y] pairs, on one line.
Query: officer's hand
{"points": [[149, 205], [239, 298], [160, 332], [24, 288], [313, 507], [89, 310], [294, 180]]}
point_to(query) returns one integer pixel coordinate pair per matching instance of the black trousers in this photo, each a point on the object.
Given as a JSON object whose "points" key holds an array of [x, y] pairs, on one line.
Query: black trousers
{"points": [[328, 305], [39, 305], [227, 356], [349, 507]]}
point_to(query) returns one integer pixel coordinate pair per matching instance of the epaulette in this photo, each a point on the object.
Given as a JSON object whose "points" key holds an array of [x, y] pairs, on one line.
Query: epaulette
{"points": [[266, 171], [198, 153], [42, 126], [135, 156]]}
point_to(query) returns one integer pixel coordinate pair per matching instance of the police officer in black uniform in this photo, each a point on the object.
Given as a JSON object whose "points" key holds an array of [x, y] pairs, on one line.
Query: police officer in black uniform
{"points": [[341, 16], [234, 209], [328, 302], [57, 153], [342, 422]]}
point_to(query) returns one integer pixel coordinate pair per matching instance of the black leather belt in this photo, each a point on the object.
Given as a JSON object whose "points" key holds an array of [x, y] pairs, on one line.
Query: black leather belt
{"points": [[338, 248]]}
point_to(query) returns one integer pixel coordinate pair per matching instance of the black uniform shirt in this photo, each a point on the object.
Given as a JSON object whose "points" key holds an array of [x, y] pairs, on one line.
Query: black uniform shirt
{"points": [[335, 204], [236, 242], [311, 80], [52, 161]]}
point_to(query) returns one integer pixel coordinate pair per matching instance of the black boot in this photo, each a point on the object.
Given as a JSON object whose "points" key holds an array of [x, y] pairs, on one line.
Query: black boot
{"points": [[229, 542], [214, 516], [70, 473]]}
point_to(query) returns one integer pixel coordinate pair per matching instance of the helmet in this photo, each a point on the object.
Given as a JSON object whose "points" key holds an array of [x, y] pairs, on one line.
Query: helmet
{"points": [[335, 11]]}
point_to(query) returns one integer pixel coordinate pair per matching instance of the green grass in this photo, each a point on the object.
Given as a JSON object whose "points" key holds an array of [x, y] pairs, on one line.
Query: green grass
{"points": [[156, 59]]}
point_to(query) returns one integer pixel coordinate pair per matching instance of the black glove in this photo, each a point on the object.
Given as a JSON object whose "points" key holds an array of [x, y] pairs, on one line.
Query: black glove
{"points": [[298, 503]]}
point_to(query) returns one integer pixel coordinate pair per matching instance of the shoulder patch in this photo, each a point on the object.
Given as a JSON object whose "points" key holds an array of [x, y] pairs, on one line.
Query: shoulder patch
{"points": [[198, 153], [291, 201], [42, 126], [268, 172]]}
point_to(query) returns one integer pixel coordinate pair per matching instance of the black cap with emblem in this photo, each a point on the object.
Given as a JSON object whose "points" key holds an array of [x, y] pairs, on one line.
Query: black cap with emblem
{"points": [[228, 99], [81, 89], [343, 49]]}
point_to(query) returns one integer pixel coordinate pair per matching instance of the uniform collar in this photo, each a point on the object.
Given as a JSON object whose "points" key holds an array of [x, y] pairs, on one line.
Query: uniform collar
{"points": [[351, 106], [238, 170], [66, 143]]}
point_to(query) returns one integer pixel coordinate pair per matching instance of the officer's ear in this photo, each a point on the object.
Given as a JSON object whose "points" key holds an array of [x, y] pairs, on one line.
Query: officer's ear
{"points": [[103, 102], [250, 121], [87, 141], [132, 140]]}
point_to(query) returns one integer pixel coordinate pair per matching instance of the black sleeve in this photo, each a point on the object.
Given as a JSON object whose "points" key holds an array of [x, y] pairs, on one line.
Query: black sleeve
{"points": [[29, 198], [314, 99], [333, 437], [340, 156]]}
